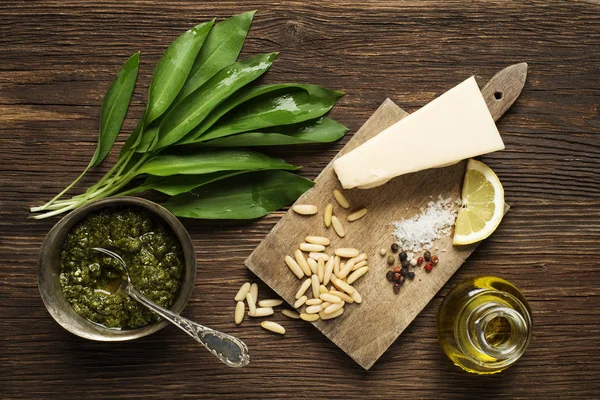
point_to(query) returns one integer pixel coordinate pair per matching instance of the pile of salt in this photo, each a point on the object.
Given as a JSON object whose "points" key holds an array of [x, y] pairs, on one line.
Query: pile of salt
{"points": [[419, 232]]}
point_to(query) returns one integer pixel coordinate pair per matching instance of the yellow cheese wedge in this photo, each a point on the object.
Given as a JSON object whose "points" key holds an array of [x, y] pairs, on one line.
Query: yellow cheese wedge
{"points": [[455, 126]]}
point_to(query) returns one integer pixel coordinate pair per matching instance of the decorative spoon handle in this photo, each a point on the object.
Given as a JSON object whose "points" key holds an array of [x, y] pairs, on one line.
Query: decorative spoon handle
{"points": [[230, 350]]}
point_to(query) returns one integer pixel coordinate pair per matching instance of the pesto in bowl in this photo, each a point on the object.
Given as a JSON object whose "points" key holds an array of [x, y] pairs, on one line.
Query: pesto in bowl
{"points": [[91, 281]]}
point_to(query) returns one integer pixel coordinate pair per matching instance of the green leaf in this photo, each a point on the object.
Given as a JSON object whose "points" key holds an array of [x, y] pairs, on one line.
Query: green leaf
{"points": [[177, 184], [290, 106], [248, 196], [186, 115], [173, 69], [242, 96], [148, 139], [222, 47], [114, 107], [204, 162], [322, 130]]}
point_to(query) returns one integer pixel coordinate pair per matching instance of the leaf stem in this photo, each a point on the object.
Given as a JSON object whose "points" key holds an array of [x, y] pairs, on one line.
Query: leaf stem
{"points": [[65, 190]]}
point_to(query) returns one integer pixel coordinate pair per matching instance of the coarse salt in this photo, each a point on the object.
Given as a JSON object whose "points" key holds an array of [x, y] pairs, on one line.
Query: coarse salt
{"points": [[419, 232]]}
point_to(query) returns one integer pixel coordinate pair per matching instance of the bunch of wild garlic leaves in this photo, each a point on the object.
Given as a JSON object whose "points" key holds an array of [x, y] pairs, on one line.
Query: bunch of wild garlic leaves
{"points": [[201, 115]]}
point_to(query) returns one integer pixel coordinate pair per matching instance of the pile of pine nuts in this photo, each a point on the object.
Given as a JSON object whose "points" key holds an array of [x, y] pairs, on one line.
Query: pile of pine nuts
{"points": [[338, 270], [249, 292]]}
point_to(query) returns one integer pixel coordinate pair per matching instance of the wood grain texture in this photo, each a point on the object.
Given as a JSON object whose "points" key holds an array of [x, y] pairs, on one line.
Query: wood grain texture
{"points": [[58, 59], [386, 314]]}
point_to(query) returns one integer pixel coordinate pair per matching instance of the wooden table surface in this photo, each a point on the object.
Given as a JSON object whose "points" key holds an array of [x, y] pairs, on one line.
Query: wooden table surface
{"points": [[56, 60]]}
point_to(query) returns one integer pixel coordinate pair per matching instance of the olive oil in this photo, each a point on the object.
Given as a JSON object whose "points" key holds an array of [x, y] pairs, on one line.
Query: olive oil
{"points": [[484, 325]]}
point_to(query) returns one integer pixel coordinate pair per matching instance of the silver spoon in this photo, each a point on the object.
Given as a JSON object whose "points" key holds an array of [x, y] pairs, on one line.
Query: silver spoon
{"points": [[230, 350]]}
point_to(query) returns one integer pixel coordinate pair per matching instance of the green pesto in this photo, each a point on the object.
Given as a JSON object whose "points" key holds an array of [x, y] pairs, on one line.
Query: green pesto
{"points": [[91, 280]]}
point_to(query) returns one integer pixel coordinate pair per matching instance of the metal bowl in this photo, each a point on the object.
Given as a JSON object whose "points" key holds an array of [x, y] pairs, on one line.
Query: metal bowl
{"points": [[49, 272]]}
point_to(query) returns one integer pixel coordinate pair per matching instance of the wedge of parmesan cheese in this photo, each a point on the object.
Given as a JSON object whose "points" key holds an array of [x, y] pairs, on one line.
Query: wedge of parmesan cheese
{"points": [[455, 126]]}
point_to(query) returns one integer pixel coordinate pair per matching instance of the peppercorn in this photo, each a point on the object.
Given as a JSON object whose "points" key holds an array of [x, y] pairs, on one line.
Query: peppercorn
{"points": [[428, 267], [396, 288], [411, 275], [403, 256], [413, 262], [395, 247], [396, 270], [390, 276], [419, 260], [400, 281], [435, 260], [391, 260], [397, 276], [404, 272], [427, 255], [405, 263]]}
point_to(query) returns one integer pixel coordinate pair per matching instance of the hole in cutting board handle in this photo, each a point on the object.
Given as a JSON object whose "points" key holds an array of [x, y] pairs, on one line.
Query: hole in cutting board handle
{"points": [[498, 95]]}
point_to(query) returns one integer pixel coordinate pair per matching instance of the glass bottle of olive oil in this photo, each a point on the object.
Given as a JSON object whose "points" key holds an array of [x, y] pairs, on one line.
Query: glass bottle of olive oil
{"points": [[484, 325]]}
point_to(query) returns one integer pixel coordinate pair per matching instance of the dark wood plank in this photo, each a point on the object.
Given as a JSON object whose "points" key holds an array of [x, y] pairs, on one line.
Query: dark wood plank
{"points": [[58, 58]]}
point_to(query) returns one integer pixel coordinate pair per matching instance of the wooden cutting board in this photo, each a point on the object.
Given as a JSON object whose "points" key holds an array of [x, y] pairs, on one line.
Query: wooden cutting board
{"points": [[366, 330]]}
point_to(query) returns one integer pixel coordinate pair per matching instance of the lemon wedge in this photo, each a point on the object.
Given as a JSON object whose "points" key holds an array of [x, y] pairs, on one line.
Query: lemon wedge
{"points": [[482, 204]]}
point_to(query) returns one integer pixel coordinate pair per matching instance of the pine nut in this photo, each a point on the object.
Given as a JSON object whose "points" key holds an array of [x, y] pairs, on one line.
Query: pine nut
{"points": [[327, 215], [361, 257], [309, 317], [315, 286], [356, 274], [270, 303], [342, 296], [336, 265], [241, 294], [325, 305], [305, 285], [294, 267], [299, 256], [290, 314], [322, 289], [356, 215], [340, 284], [312, 263], [300, 302], [346, 270], [254, 291], [334, 307], [328, 271], [342, 265], [323, 241], [313, 309], [341, 199], [337, 226], [308, 247], [330, 298], [273, 327], [347, 252], [251, 303], [316, 255], [356, 297], [305, 209], [313, 302], [240, 310], [321, 269], [359, 265], [262, 312], [334, 314]]}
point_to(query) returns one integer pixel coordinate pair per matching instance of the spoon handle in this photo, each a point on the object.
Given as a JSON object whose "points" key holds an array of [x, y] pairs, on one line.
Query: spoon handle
{"points": [[230, 350]]}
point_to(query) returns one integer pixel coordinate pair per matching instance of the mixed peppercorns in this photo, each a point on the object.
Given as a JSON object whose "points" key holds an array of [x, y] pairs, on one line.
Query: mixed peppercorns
{"points": [[400, 273]]}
